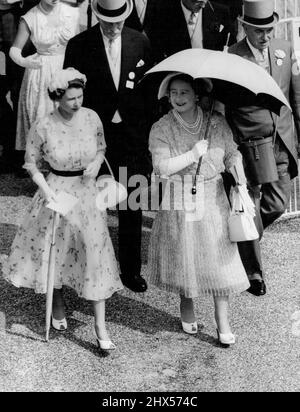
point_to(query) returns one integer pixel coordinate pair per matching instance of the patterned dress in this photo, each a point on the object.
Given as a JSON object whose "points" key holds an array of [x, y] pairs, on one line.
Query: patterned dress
{"points": [[50, 34], [193, 258], [84, 258]]}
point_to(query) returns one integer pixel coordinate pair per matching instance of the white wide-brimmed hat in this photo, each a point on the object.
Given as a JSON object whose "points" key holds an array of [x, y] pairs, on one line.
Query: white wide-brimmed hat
{"points": [[112, 11], [259, 13], [163, 88]]}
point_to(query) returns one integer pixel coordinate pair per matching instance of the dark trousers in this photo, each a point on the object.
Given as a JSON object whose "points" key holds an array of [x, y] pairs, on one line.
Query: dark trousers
{"points": [[130, 239], [271, 200], [124, 165]]}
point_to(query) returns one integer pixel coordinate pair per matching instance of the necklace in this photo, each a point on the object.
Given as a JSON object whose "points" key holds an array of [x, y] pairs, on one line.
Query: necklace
{"points": [[192, 128], [49, 11]]}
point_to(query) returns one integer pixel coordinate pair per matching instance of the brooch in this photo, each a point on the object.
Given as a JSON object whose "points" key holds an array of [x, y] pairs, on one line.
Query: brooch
{"points": [[280, 55]]}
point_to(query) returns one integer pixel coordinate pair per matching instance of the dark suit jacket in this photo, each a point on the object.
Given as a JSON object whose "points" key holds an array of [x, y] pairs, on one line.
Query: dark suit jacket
{"points": [[251, 121], [235, 6], [170, 32], [133, 20], [86, 52]]}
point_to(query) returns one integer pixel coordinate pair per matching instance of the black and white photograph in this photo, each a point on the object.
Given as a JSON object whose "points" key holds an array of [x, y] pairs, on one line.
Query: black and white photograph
{"points": [[149, 199]]}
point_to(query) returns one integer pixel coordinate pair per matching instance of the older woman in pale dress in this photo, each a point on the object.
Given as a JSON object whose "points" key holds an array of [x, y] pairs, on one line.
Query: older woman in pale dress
{"points": [[192, 255]]}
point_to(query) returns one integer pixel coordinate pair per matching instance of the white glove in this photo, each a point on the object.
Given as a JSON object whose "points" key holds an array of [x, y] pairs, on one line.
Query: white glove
{"points": [[200, 149], [168, 167], [30, 62], [93, 168], [46, 191], [238, 173]]}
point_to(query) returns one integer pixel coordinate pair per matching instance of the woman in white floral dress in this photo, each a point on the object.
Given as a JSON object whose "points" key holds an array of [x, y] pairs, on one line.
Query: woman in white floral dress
{"points": [[71, 140], [49, 25]]}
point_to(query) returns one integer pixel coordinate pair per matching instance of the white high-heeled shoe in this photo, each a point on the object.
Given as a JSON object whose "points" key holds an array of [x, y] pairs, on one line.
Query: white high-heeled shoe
{"points": [[190, 328], [104, 344], [59, 325], [226, 339]]}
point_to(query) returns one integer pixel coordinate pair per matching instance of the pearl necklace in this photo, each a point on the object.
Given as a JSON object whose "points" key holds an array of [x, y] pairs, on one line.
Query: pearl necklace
{"points": [[193, 128], [47, 12]]}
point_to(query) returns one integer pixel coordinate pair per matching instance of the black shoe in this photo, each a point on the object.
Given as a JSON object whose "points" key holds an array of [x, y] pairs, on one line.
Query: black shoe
{"points": [[21, 173], [5, 167], [257, 287], [134, 283]]}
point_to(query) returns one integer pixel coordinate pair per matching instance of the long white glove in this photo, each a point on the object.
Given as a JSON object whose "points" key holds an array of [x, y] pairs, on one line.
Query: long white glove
{"points": [[93, 168], [47, 193], [30, 62], [171, 166], [238, 172]]}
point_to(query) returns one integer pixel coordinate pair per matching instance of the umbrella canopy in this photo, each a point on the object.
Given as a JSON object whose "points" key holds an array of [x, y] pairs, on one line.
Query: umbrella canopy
{"points": [[237, 82]]}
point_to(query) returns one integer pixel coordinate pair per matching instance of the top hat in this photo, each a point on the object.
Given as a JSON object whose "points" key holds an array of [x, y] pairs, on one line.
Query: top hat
{"points": [[259, 13], [112, 11]]}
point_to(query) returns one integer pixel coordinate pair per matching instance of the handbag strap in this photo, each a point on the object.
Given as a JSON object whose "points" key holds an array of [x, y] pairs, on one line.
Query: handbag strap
{"points": [[237, 202], [109, 168], [194, 190]]}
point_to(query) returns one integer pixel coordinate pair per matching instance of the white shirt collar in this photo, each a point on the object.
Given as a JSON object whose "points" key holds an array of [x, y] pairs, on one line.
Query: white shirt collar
{"points": [[256, 53], [106, 39], [187, 13], [141, 6]]}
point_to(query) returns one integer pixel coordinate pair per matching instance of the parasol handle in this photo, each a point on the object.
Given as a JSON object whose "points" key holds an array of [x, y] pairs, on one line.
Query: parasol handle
{"points": [[50, 274], [194, 190]]}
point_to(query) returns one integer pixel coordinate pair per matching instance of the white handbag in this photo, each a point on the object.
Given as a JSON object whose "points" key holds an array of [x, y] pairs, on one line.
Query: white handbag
{"points": [[240, 222], [111, 192]]}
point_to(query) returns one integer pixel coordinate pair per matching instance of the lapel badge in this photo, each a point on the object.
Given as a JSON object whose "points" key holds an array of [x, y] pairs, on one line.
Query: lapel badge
{"points": [[131, 75], [140, 63], [130, 84], [280, 55]]}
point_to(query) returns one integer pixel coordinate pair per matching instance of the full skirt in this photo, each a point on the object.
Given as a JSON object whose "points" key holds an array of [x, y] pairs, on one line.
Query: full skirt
{"points": [[84, 254], [196, 258]]}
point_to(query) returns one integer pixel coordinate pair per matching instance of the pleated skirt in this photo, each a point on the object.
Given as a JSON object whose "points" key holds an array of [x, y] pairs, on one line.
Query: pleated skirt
{"points": [[196, 258]]}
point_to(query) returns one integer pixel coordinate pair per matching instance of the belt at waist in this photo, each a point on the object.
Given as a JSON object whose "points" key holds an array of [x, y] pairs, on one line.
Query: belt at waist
{"points": [[67, 173], [254, 138]]}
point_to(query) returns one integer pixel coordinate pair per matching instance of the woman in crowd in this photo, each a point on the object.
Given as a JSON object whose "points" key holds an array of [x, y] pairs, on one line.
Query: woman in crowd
{"points": [[195, 256], [49, 25], [71, 140]]}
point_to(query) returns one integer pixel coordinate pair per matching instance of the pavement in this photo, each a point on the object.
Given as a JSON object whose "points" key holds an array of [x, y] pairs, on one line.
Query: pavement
{"points": [[153, 353]]}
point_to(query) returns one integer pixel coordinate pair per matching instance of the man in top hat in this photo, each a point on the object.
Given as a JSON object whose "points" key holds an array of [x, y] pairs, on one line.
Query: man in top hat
{"points": [[278, 58], [114, 58], [185, 24]]}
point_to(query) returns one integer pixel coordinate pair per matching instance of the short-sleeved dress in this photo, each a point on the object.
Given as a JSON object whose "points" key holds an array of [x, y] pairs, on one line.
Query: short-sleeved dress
{"points": [[50, 34], [196, 258], [84, 258]]}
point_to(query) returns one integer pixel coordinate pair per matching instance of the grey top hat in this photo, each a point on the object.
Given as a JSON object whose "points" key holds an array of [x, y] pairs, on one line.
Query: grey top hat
{"points": [[259, 13], [112, 11]]}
